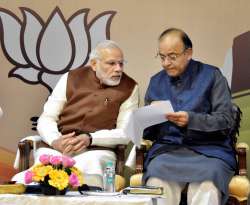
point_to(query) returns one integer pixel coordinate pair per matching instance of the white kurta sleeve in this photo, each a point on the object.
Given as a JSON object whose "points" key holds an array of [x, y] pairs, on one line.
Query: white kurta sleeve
{"points": [[117, 136], [47, 123]]}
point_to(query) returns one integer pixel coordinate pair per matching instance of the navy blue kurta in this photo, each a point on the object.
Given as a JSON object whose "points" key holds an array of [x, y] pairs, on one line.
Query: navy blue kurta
{"points": [[203, 92], [203, 150]]}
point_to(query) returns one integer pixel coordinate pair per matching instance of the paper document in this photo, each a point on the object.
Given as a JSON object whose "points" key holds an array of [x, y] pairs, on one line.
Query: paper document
{"points": [[146, 116]]}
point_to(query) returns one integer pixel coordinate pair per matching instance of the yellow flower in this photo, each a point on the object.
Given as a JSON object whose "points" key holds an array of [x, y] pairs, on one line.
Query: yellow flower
{"points": [[40, 171], [58, 176], [59, 179], [78, 173]]}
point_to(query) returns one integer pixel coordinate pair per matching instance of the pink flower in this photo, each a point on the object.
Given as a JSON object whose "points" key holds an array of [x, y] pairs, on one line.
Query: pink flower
{"points": [[28, 177], [56, 160], [73, 180], [68, 162], [44, 159]]}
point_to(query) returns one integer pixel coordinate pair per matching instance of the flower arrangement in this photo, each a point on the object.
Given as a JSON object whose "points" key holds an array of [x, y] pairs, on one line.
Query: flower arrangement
{"points": [[56, 171]]}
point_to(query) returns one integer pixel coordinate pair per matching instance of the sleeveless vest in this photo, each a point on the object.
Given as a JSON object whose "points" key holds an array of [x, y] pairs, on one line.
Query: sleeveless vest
{"points": [[90, 105]]}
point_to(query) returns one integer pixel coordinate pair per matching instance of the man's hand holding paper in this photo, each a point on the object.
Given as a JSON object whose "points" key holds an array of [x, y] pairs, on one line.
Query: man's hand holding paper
{"points": [[179, 118]]}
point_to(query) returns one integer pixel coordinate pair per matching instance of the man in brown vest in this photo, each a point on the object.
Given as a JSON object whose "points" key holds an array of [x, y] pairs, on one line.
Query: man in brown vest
{"points": [[89, 106]]}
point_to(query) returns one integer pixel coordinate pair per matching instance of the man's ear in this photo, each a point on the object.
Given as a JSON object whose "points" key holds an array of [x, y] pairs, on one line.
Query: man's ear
{"points": [[93, 64], [190, 53]]}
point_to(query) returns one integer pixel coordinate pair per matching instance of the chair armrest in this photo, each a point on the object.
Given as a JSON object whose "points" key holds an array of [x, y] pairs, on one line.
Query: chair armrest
{"points": [[241, 149], [140, 158], [120, 162], [25, 148], [140, 153], [147, 143], [119, 150]]}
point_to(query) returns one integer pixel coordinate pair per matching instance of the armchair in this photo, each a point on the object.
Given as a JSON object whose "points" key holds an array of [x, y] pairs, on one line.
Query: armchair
{"points": [[25, 147]]}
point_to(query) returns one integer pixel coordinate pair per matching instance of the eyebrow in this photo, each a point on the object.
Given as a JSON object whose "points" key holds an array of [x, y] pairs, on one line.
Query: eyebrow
{"points": [[161, 54]]}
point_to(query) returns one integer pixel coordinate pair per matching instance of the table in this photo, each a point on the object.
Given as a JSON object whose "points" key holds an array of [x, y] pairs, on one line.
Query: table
{"points": [[76, 199]]}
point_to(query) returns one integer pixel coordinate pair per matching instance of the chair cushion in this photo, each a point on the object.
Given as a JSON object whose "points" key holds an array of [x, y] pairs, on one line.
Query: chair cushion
{"points": [[119, 182], [136, 180], [147, 143], [239, 187]]}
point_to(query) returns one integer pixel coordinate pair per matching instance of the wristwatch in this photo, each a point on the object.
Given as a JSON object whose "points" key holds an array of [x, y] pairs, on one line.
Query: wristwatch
{"points": [[90, 139]]}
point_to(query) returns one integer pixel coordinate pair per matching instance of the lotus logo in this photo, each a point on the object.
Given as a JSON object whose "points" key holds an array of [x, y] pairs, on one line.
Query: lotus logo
{"points": [[43, 51]]}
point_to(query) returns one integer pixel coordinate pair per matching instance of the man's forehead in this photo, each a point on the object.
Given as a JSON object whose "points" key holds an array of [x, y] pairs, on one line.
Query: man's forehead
{"points": [[111, 53], [171, 43]]}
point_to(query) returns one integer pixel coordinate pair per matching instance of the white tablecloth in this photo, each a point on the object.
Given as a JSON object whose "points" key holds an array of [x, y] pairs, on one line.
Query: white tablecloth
{"points": [[73, 199]]}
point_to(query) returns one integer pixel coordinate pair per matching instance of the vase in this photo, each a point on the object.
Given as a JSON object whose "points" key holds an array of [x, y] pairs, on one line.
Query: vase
{"points": [[50, 190]]}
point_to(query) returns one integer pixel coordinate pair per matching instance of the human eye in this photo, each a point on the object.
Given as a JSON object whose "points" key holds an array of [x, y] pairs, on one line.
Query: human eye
{"points": [[111, 63], [121, 63], [162, 57], [173, 56]]}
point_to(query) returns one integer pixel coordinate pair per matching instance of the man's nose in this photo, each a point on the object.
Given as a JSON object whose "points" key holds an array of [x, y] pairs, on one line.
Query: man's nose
{"points": [[119, 66], [166, 62]]}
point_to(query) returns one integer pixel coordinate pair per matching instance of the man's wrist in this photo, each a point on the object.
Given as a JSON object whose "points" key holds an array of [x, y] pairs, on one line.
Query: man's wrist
{"points": [[90, 139], [54, 143]]}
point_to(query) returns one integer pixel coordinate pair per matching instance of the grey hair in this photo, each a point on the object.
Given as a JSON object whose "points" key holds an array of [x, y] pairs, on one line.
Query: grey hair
{"points": [[106, 44]]}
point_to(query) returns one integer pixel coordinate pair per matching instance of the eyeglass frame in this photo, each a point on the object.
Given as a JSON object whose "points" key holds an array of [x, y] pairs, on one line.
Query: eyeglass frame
{"points": [[169, 57]]}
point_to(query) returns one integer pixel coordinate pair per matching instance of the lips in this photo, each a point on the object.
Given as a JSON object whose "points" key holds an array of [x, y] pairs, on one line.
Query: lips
{"points": [[170, 70], [117, 77]]}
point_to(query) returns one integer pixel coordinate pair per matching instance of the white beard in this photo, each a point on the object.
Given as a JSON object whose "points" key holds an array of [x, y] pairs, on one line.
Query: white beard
{"points": [[104, 79]]}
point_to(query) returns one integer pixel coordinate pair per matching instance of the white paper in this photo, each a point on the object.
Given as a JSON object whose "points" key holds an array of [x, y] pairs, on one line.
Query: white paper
{"points": [[144, 117]]}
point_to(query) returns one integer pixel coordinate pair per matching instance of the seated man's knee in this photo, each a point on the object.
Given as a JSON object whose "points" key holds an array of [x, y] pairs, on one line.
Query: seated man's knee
{"points": [[172, 190], [208, 185], [203, 186], [203, 193], [154, 181], [168, 186]]}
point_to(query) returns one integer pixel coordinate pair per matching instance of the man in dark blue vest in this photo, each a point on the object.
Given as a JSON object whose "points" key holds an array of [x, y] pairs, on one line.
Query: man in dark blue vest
{"points": [[193, 146]]}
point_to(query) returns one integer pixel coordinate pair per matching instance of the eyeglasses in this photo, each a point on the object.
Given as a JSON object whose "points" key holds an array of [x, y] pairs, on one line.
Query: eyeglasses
{"points": [[170, 57]]}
